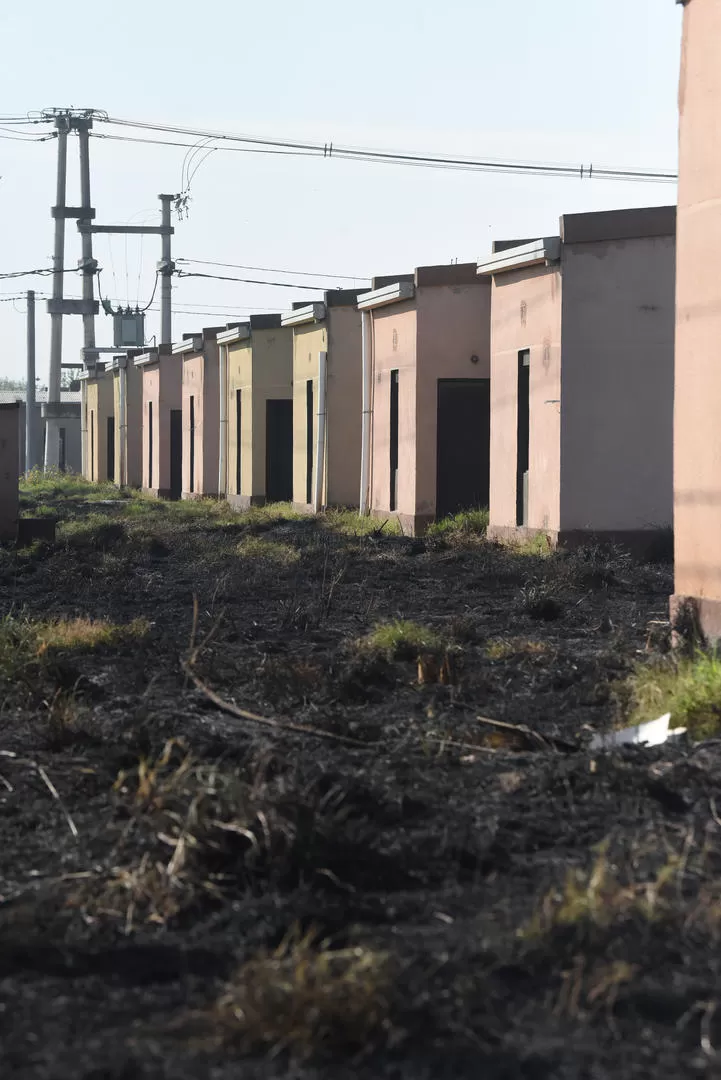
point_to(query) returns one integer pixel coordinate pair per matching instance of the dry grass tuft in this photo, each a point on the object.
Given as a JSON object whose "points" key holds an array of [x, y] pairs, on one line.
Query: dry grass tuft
{"points": [[597, 899], [506, 648], [308, 999], [275, 551], [83, 633]]}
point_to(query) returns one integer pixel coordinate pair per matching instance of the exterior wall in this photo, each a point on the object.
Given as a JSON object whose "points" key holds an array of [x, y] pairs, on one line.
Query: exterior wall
{"points": [[201, 381], [453, 325], [240, 377], [133, 434], [617, 385], [393, 337], [9, 470], [262, 368], [343, 419], [526, 314], [697, 480], [308, 341], [161, 386], [100, 406]]}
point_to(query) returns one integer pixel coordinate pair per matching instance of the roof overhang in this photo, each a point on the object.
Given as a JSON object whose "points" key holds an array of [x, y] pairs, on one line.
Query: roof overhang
{"points": [[537, 253], [389, 294], [147, 358], [235, 333], [308, 314], [192, 344]]}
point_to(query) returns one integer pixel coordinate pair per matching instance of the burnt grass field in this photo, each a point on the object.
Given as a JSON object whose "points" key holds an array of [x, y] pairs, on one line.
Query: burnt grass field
{"points": [[369, 879]]}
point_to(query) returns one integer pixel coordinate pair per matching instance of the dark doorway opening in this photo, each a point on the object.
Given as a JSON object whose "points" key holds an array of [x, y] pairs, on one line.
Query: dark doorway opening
{"points": [[150, 444], [309, 441], [191, 486], [111, 448], [62, 453], [463, 445], [176, 453], [238, 440], [279, 451], [523, 436], [393, 505], [92, 444]]}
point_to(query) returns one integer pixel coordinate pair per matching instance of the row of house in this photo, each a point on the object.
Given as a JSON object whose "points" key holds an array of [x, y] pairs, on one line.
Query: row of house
{"points": [[538, 382]]}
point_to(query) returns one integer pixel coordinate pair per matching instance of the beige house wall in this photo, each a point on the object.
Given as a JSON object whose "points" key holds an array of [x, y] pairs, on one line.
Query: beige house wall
{"points": [[262, 369], [133, 433], [617, 411], [526, 314], [308, 341], [340, 336], [99, 397], [201, 382], [9, 469], [393, 337], [697, 479]]}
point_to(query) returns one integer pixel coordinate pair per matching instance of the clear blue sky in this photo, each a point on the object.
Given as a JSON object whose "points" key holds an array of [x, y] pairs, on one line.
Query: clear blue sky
{"points": [[549, 80]]}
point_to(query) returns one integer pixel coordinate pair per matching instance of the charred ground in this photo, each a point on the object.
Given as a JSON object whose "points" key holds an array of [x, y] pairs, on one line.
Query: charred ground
{"points": [[402, 889]]}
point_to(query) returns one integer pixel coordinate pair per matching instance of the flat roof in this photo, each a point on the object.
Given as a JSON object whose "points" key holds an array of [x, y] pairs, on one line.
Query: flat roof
{"points": [[538, 252], [635, 224]]}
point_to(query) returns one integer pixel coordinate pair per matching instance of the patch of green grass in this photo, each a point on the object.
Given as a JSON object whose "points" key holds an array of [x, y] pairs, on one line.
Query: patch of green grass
{"points": [[96, 531], [688, 688], [256, 547], [539, 544], [53, 484], [309, 999], [350, 523], [402, 640], [461, 526]]}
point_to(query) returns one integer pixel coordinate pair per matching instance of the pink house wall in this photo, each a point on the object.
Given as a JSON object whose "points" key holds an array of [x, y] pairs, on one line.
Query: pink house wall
{"points": [[201, 382], [526, 314], [162, 387], [697, 428], [453, 325], [430, 337]]}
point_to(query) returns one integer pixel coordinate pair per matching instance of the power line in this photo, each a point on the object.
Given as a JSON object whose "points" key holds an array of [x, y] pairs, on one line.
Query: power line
{"points": [[274, 270], [329, 149], [41, 272], [250, 281]]}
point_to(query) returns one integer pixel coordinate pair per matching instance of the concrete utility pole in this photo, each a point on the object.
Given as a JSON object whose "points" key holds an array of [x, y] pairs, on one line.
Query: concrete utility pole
{"points": [[67, 121], [30, 425], [56, 314], [166, 266]]}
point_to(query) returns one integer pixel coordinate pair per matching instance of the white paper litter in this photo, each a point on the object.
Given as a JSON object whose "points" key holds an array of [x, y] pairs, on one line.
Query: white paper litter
{"points": [[652, 733]]}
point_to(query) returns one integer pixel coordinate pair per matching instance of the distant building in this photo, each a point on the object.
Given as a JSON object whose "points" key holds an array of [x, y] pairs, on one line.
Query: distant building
{"points": [[427, 345], [256, 366], [697, 432], [70, 444], [582, 343], [326, 400]]}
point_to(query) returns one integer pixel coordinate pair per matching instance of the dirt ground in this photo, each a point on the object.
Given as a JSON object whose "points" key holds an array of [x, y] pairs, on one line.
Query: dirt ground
{"points": [[378, 883]]}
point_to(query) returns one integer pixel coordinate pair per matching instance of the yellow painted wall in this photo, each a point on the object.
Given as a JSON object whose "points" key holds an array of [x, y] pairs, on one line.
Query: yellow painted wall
{"points": [[99, 397]]}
